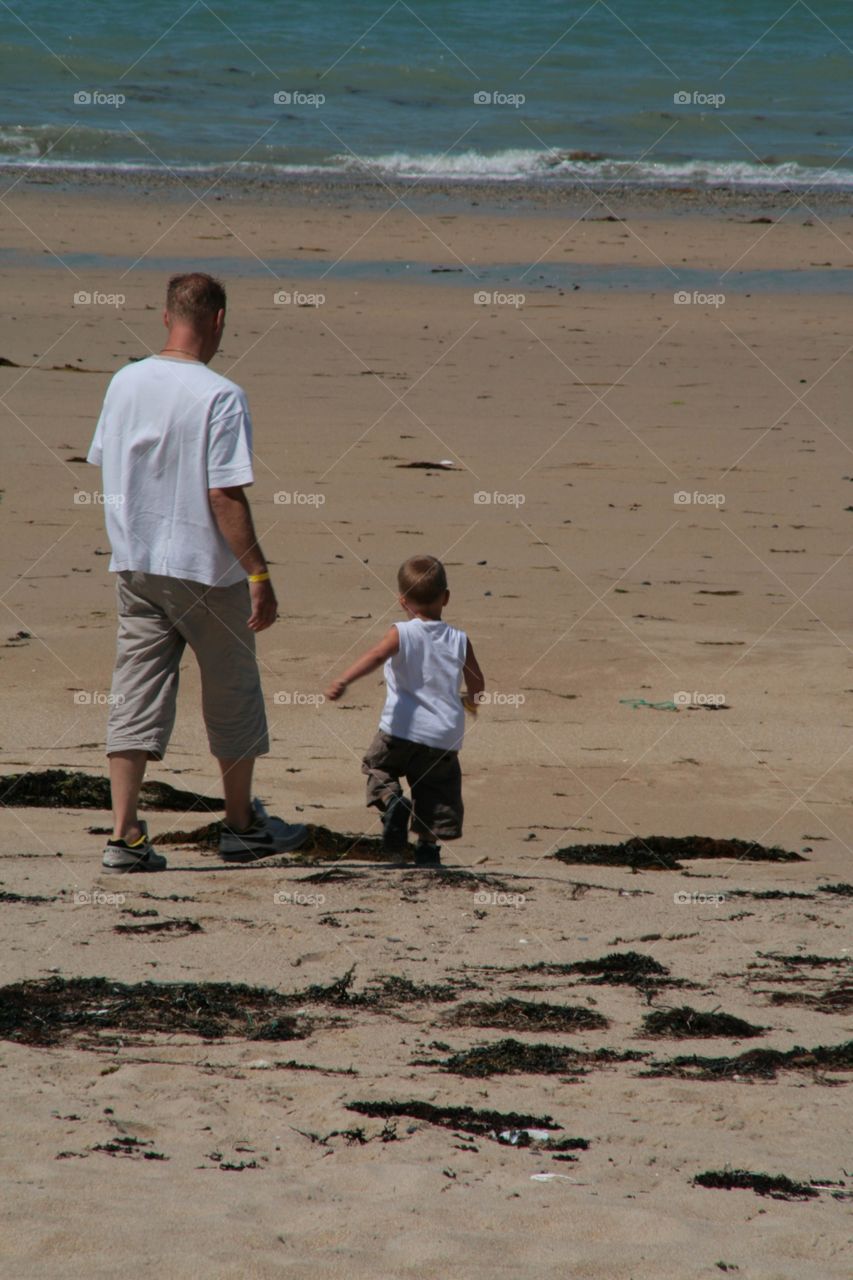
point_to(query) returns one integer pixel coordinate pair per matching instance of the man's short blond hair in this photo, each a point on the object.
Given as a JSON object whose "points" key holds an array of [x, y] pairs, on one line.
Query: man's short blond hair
{"points": [[194, 296], [422, 579]]}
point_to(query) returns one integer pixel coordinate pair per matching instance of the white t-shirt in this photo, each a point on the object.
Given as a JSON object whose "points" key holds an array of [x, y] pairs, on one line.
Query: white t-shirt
{"points": [[423, 679], [169, 430]]}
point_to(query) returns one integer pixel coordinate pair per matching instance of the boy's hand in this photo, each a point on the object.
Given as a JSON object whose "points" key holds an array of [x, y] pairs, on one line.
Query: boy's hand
{"points": [[335, 689]]}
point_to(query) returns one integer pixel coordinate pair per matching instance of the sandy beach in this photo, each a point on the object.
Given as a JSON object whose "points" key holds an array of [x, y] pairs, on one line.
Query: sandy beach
{"points": [[647, 527]]}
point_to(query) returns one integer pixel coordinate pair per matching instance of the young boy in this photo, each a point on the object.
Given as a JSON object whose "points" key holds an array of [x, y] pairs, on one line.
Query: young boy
{"points": [[423, 721]]}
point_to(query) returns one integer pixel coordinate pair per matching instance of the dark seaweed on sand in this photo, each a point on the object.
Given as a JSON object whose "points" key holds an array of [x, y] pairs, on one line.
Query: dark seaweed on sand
{"points": [[384, 992], [763, 1184], [52, 1010], [831, 1000], [619, 968], [513, 1057], [656, 853], [809, 961], [29, 898], [526, 1015], [487, 1124], [759, 1063], [684, 1022], [842, 889], [174, 925], [57, 788]]}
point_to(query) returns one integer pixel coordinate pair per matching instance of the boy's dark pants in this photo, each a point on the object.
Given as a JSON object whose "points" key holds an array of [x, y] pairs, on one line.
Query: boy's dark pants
{"points": [[433, 775]]}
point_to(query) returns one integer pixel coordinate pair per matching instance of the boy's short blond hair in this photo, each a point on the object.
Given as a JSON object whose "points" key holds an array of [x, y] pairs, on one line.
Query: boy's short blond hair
{"points": [[422, 579]]}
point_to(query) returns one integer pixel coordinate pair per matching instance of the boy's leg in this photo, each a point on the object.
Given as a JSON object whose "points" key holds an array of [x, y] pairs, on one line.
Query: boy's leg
{"points": [[386, 759], [436, 782], [383, 764]]}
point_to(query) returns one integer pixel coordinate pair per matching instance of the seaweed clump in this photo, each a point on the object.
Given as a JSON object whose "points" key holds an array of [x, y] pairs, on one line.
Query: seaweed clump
{"points": [[831, 1000], [526, 1015], [663, 853], [758, 1063], [513, 1057], [685, 1022], [486, 1124], [619, 968], [51, 1011], [763, 1184], [59, 789]]}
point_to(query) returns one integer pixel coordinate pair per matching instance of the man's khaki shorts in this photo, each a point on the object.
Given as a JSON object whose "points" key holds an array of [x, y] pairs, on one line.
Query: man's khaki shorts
{"points": [[433, 775], [157, 618]]}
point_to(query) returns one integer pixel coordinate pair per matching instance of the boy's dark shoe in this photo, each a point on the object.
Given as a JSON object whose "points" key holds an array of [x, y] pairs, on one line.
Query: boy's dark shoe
{"points": [[395, 825], [427, 855]]}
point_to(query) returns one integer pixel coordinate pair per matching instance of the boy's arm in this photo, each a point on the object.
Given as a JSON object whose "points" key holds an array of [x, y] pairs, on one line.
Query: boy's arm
{"points": [[375, 657], [474, 680]]}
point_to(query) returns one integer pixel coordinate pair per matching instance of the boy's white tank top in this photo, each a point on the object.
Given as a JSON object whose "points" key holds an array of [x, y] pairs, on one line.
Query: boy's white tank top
{"points": [[423, 681]]}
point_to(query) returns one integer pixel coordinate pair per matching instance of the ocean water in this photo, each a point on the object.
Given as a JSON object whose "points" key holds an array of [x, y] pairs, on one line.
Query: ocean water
{"points": [[731, 92]]}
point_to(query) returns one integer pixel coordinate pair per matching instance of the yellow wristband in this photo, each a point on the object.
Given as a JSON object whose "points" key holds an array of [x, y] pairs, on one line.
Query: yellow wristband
{"points": [[259, 577]]}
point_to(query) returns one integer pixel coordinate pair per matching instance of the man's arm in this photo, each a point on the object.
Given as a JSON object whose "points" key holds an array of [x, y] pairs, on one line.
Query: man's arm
{"points": [[233, 518], [474, 680], [375, 657]]}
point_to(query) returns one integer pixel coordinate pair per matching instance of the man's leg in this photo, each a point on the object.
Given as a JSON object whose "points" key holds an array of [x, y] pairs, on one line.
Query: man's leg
{"points": [[143, 695], [235, 718], [237, 787], [127, 769]]}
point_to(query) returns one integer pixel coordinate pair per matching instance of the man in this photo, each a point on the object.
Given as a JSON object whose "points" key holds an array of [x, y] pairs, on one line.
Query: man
{"points": [[174, 441]]}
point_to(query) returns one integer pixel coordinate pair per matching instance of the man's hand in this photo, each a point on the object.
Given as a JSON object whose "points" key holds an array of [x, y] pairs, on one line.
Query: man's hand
{"points": [[335, 689], [264, 606]]}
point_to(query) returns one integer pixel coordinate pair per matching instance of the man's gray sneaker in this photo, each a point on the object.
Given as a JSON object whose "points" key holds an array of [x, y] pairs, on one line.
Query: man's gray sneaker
{"points": [[123, 858], [264, 836]]}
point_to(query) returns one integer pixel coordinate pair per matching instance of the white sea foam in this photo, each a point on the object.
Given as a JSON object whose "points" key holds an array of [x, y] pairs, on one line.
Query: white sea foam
{"points": [[472, 166]]}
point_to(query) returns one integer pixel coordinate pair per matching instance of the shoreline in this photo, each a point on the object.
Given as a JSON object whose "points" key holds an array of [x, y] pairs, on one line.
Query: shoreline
{"points": [[361, 192]]}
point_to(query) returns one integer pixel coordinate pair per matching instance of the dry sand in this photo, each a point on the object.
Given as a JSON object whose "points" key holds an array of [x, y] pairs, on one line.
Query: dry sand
{"points": [[589, 410]]}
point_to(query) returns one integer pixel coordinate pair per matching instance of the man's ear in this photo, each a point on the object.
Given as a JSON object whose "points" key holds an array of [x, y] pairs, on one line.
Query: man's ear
{"points": [[166, 318], [219, 322], [446, 597]]}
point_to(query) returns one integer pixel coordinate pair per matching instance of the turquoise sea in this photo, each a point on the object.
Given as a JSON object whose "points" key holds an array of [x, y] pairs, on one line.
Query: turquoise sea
{"points": [[723, 93]]}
